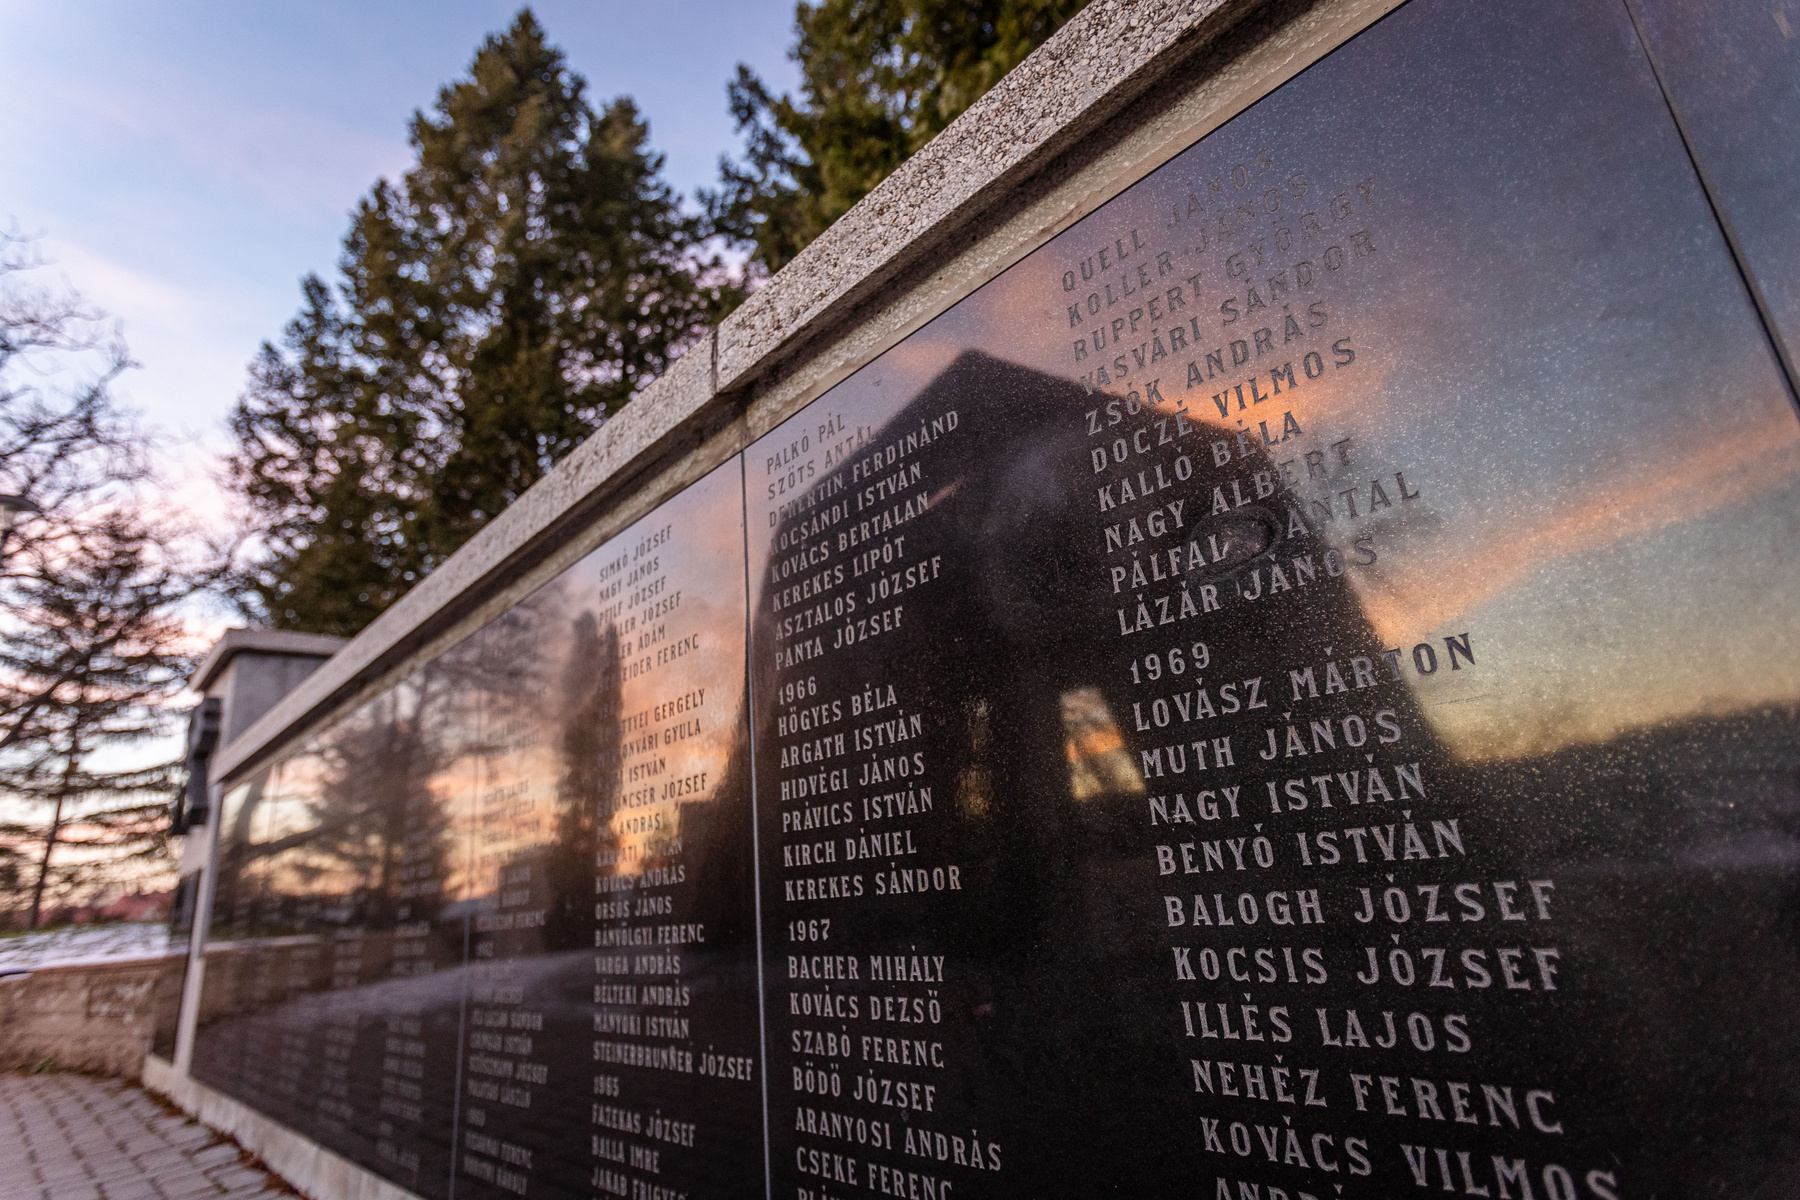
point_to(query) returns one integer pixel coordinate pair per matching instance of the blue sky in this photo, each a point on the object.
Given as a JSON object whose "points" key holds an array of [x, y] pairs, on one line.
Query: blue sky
{"points": [[187, 163]]}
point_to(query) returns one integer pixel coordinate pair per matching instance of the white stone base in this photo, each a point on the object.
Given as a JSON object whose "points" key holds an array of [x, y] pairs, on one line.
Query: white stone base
{"points": [[318, 1173]]}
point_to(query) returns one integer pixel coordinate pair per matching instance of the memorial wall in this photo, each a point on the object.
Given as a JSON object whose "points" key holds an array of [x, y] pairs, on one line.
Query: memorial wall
{"points": [[1287, 692]]}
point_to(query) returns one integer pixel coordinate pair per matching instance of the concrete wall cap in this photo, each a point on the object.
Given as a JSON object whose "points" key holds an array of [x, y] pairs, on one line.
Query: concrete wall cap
{"points": [[1100, 60], [261, 641]]}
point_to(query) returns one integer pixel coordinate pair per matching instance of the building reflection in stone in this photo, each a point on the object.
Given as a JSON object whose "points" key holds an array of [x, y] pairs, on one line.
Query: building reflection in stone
{"points": [[1290, 731]]}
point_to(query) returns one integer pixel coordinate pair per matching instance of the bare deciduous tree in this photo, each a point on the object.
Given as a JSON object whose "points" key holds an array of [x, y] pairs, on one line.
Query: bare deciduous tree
{"points": [[92, 642]]}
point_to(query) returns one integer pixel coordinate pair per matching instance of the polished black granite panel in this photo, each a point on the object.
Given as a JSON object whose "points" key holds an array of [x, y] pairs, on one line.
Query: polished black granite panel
{"points": [[1287, 692], [612, 959], [494, 932], [1290, 689], [1732, 73], [333, 994]]}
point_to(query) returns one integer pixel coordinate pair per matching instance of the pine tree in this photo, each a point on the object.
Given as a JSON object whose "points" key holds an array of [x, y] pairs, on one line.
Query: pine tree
{"points": [[879, 79], [94, 650], [521, 281]]}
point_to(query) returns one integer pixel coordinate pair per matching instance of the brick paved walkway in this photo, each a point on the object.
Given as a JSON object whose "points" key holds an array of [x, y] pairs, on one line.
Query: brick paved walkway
{"points": [[76, 1137]]}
